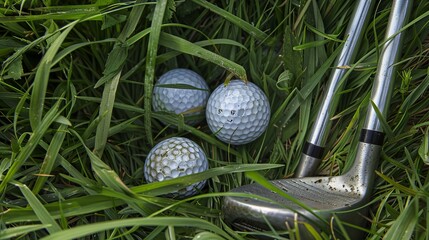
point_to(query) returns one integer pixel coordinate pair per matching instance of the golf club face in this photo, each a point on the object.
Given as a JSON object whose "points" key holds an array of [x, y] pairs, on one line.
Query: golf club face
{"points": [[248, 214], [345, 196]]}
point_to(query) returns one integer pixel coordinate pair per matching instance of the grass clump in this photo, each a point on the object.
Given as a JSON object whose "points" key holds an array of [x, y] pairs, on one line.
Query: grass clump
{"points": [[76, 121]]}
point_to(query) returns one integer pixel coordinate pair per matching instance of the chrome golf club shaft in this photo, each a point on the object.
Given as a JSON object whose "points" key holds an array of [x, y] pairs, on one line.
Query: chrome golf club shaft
{"points": [[314, 147], [372, 131], [345, 196]]}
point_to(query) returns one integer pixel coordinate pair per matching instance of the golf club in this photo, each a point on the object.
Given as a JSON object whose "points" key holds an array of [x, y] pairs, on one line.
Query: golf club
{"points": [[313, 149], [345, 196]]}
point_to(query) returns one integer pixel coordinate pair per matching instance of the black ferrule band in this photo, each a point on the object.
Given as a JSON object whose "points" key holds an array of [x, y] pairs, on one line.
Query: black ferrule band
{"points": [[313, 150], [371, 137]]}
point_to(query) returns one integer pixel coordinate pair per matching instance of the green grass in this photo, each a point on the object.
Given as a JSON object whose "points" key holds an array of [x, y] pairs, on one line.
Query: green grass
{"points": [[76, 121]]}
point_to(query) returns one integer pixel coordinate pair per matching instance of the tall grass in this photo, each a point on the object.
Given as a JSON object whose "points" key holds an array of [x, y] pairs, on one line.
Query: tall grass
{"points": [[76, 121]]}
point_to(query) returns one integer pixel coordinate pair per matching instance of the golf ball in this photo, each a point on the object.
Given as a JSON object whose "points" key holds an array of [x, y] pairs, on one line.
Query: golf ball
{"points": [[176, 157], [238, 113], [181, 91]]}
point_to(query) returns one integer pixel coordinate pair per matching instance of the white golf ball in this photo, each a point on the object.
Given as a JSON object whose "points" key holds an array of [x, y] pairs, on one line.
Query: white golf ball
{"points": [[176, 157], [238, 113], [181, 91]]}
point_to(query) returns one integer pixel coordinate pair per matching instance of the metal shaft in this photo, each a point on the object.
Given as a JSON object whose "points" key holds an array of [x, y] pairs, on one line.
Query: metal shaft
{"points": [[382, 89], [314, 147], [372, 132]]}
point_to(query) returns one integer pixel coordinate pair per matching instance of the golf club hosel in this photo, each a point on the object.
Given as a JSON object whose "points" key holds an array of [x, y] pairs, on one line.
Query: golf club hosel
{"points": [[354, 34], [389, 55], [362, 173], [368, 151], [307, 165]]}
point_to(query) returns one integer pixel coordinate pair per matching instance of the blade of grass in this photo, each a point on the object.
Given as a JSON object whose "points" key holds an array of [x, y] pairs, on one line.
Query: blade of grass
{"points": [[184, 46], [32, 143], [50, 157], [105, 113], [292, 58], [314, 233], [13, 27], [385, 126], [424, 147], [67, 208], [152, 49], [156, 221], [112, 75], [412, 98], [38, 208], [105, 199], [111, 179], [207, 235], [403, 227], [54, 16], [157, 188], [247, 27], [299, 21], [19, 108], [341, 228], [13, 232], [66, 51], [109, 199], [407, 190], [136, 37], [18, 53], [41, 79], [310, 45]]}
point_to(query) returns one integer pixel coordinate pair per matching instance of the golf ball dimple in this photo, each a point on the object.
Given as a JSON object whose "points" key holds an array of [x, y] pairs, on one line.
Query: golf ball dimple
{"points": [[176, 157], [181, 91], [238, 113]]}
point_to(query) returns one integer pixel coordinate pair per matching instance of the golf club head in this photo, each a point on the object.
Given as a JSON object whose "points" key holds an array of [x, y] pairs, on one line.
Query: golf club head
{"points": [[344, 196]]}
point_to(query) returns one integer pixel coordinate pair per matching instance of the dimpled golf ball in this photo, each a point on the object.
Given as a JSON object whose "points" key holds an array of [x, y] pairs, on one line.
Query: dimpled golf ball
{"points": [[238, 113], [176, 157], [181, 91]]}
